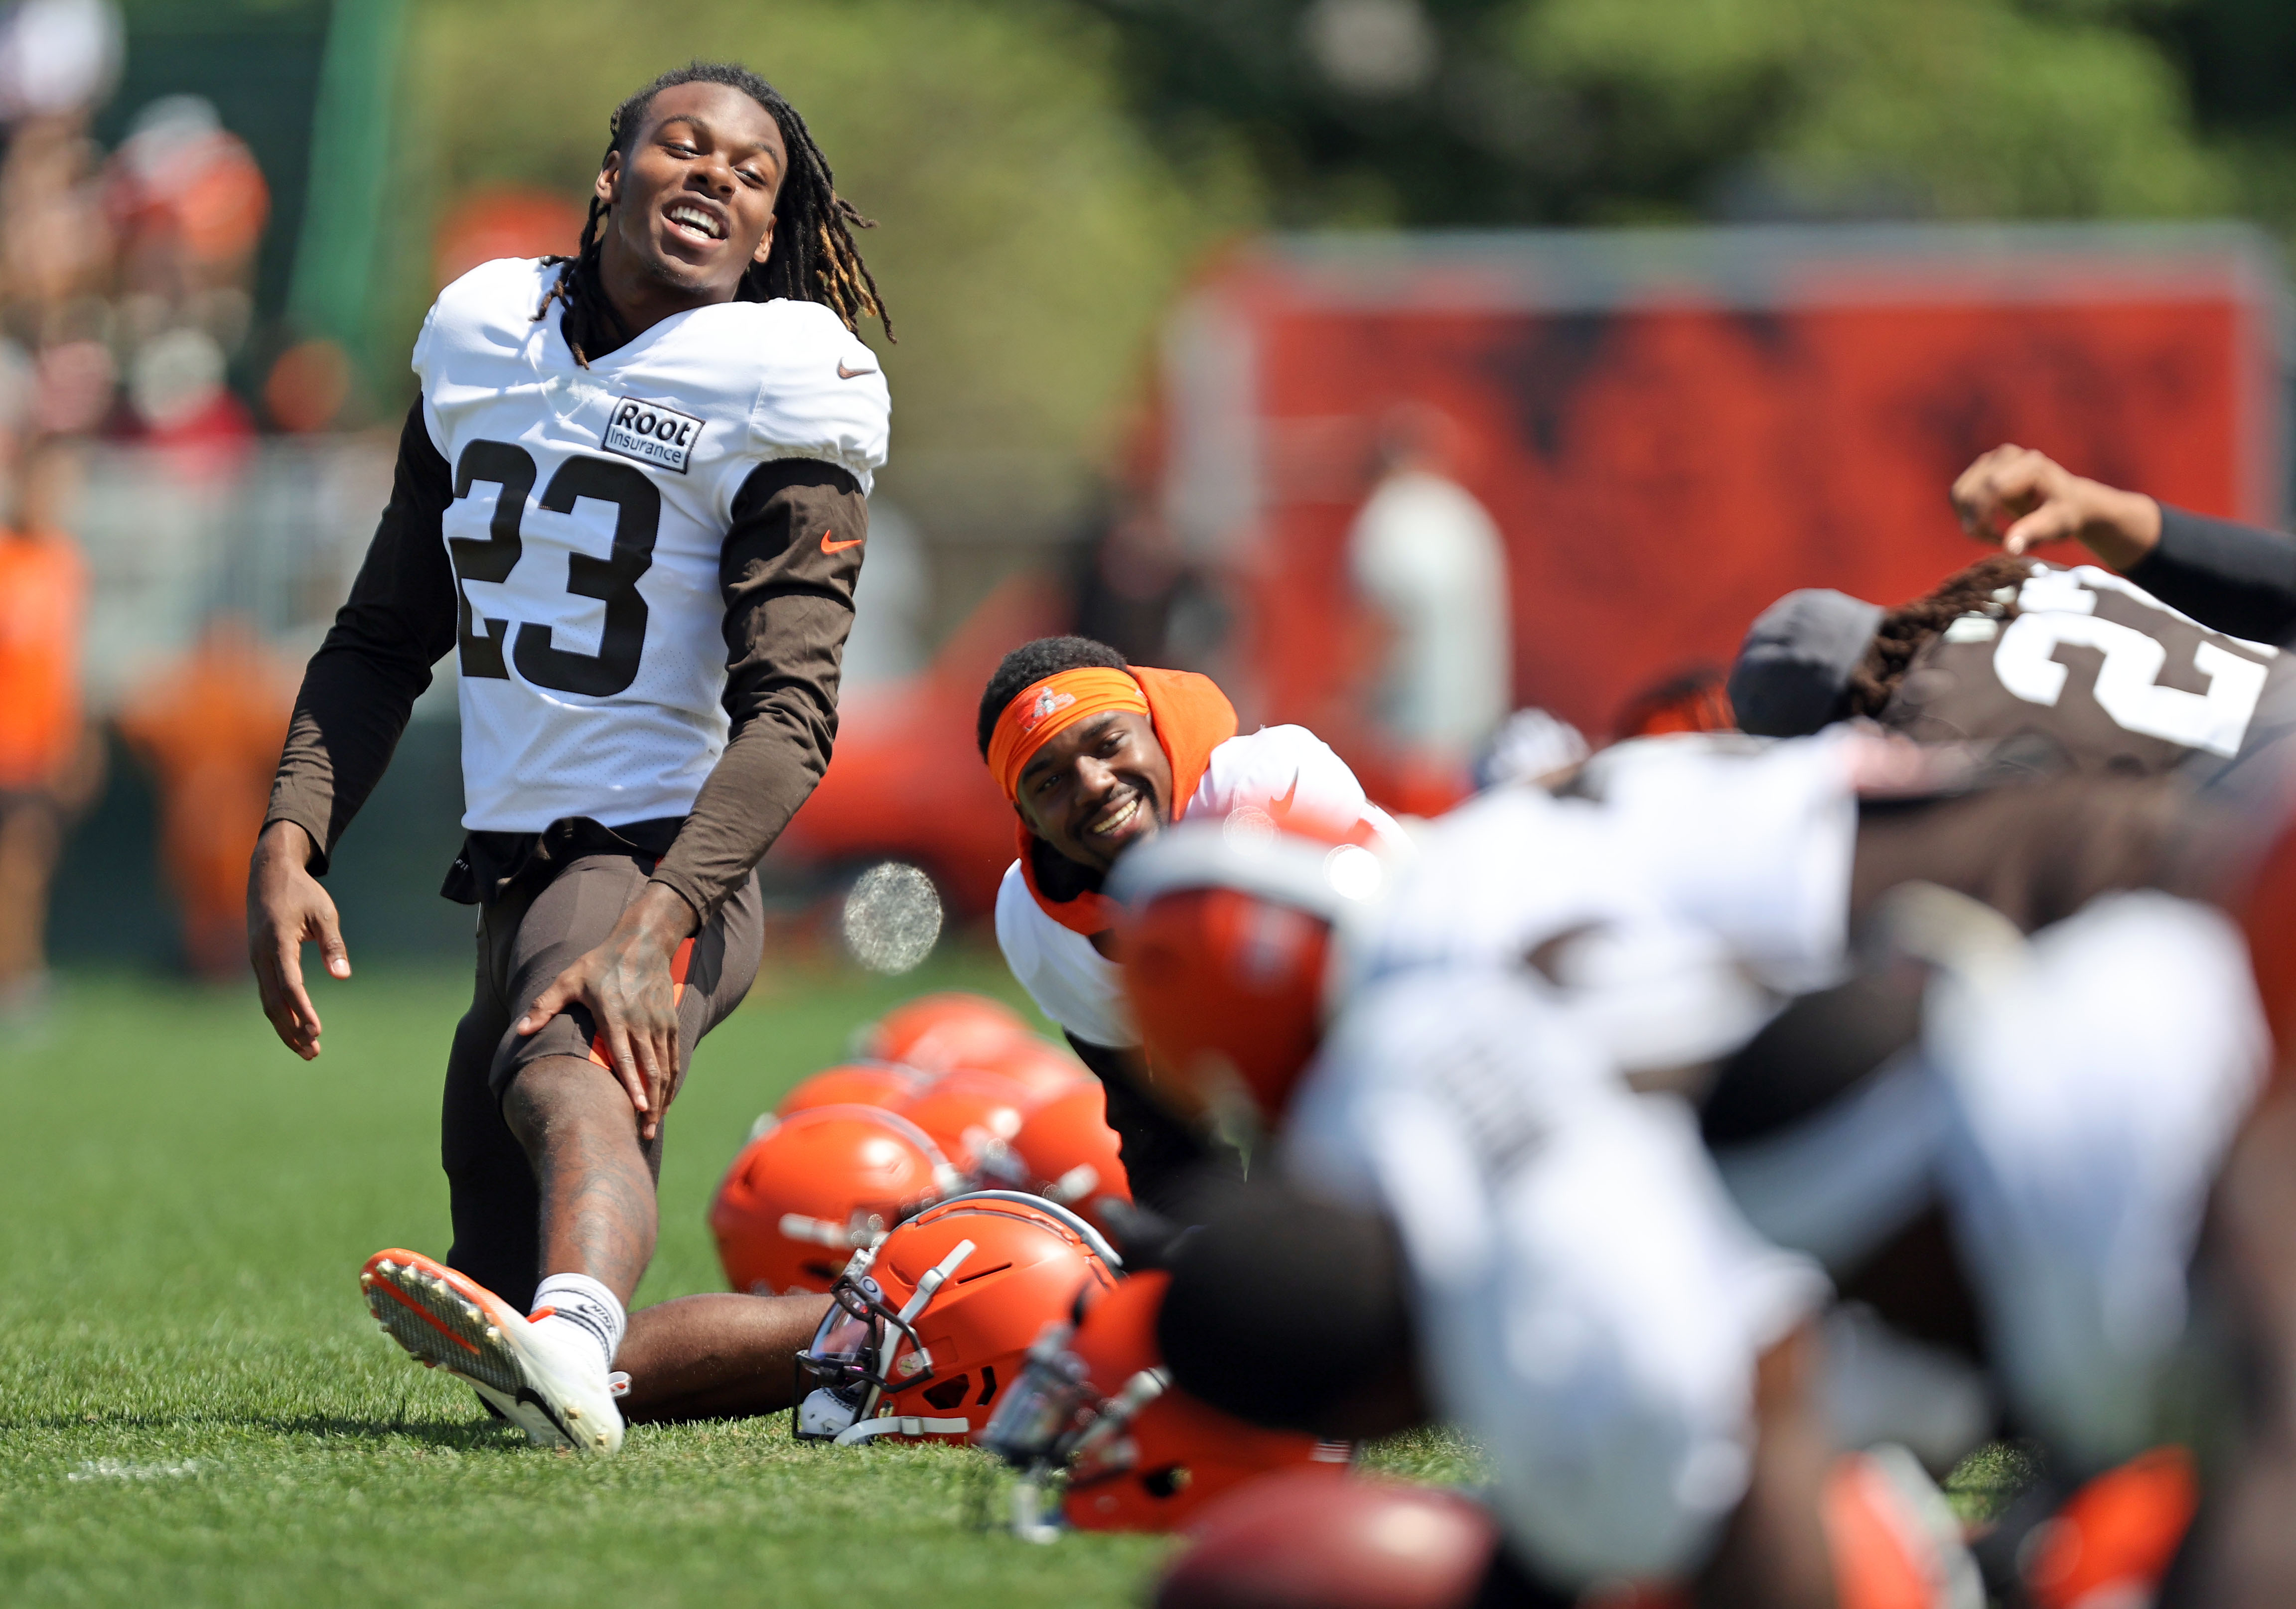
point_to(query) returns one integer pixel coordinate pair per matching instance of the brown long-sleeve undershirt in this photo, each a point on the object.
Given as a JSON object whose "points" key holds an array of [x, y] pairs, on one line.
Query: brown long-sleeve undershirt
{"points": [[789, 605]]}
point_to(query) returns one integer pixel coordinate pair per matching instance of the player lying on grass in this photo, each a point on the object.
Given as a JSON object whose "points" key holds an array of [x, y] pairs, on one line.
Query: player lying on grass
{"points": [[2066, 669], [2009, 1164], [631, 499], [1097, 755]]}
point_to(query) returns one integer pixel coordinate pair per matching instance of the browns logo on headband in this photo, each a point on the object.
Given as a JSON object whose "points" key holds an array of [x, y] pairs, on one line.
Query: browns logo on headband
{"points": [[1043, 710], [1190, 716]]}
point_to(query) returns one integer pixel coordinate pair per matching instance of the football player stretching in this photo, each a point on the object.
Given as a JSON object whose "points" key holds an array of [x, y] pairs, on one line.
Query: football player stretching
{"points": [[630, 501]]}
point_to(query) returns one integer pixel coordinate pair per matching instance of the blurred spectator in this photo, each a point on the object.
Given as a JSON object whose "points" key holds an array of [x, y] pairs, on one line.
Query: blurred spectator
{"points": [[505, 221], [73, 387], [50, 763], [308, 385], [189, 204], [1431, 565], [176, 388], [211, 727], [55, 242], [58, 58]]}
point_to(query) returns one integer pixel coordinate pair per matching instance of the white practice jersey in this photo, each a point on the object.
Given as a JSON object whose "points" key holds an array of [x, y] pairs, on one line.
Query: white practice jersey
{"points": [[591, 508], [1591, 1306], [1083, 991], [1671, 913]]}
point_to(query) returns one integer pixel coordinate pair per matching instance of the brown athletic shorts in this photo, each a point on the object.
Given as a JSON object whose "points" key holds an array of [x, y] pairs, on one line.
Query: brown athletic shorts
{"points": [[528, 937], [536, 928]]}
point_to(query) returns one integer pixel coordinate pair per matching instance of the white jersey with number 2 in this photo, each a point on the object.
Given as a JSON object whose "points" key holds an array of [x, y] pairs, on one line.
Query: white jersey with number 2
{"points": [[591, 508]]}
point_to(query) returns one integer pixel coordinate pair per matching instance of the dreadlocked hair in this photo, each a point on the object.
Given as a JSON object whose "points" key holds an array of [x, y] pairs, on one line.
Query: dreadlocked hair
{"points": [[1910, 627], [813, 258]]}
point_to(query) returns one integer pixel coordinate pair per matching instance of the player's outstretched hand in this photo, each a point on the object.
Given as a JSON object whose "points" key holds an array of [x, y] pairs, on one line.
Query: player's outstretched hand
{"points": [[625, 984], [2019, 498], [287, 909]]}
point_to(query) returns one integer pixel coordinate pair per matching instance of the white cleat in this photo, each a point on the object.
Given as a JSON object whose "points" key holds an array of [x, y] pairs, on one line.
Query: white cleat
{"points": [[552, 1386]]}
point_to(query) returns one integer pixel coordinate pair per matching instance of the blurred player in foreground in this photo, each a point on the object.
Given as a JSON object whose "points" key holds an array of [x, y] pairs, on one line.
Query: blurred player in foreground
{"points": [[2015, 1177], [1097, 756], [632, 499], [50, 760]]}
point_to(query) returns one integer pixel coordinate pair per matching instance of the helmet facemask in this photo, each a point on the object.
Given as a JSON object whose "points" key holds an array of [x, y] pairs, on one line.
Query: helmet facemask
{"points": [[1054, 1425], [858, 1352]]}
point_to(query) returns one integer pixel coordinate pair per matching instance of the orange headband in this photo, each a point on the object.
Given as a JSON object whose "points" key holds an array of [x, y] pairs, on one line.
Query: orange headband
{"points": [[1044, 709]]}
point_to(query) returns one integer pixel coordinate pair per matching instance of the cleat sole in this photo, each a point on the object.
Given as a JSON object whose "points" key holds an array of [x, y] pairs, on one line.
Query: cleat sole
{"points": [[438, 1328]]}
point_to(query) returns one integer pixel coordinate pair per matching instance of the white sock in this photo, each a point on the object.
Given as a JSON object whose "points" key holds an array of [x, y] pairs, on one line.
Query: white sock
{"points": [[582, 1304]]}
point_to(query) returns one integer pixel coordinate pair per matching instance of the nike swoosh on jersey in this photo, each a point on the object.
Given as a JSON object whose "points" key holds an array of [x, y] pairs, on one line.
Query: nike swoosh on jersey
{"points": [[828, 546], [845, 373]]}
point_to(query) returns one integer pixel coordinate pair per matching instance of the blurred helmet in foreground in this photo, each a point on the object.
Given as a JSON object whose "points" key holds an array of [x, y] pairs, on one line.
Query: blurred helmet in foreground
{"points": [[924, 1332], [1228, 950], [816, 1186], [1096, 1409]]}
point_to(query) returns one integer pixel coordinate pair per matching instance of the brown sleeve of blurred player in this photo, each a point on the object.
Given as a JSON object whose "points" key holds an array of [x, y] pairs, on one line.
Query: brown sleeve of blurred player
{"points": [[361, 686], [787, 574]]}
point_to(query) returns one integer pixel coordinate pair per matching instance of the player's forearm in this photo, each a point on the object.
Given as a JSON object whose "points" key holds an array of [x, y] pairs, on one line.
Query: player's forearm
{"points": [[2233, 578]]}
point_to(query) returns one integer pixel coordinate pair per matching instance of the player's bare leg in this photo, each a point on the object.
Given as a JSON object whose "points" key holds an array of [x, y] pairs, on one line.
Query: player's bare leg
{"points": [[696, 1357], [596, 1176], [548, 1372], [717, 1357]]}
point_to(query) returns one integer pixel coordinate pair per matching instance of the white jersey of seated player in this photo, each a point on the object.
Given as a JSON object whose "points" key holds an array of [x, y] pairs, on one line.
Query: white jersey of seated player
{"points": [[1590, 1306], [573, 482], [1081, 989]]}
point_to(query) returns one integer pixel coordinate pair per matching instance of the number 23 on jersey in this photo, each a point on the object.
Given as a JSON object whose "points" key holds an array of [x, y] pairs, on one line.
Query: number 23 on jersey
{"points": [[613, 579]]}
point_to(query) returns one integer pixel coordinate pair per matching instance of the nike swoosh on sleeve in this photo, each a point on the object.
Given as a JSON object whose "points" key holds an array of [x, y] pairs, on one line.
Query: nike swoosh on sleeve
{"points": [[828, 546], [845, 373]]}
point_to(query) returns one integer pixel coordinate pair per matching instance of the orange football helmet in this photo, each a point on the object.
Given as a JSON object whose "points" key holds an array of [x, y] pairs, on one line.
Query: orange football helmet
{"points": [[855, 1084], [1065, 1152], [813, 1187], [940, 1032], [926, 1331], [1037, 1065], [1228, 954], [972, 1116], [1138, 1453]]}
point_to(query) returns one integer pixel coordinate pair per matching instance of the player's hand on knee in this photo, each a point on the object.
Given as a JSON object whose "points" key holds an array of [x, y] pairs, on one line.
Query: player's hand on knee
{"points": [[2018, 499], [286, 908], [625, 984]]}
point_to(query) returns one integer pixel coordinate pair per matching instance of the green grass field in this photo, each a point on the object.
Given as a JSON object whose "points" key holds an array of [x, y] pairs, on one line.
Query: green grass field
{"points": [[194, 1407]]}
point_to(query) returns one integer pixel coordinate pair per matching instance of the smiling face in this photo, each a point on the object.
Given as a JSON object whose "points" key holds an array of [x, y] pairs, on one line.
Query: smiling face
{"points": [[1098, 788], [692, 201]]}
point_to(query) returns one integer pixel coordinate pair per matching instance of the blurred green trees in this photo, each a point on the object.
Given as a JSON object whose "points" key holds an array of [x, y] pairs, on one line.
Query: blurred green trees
{"points": [[1449, 111], [1029, 232]]}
